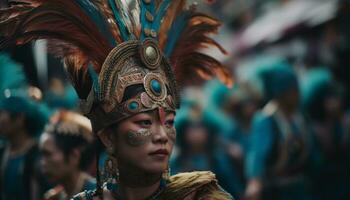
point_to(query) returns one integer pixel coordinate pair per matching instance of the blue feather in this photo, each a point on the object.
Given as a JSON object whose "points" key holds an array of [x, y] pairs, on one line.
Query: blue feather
{"points": [[94, 78], [161, 12], [144, 22], [91, 10], [143, 19], [12, 75], [175, 32], [122, 28]]}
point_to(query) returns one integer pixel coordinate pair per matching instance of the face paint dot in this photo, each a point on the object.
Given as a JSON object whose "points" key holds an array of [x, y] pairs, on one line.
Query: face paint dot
{"points": [[156, 87]]}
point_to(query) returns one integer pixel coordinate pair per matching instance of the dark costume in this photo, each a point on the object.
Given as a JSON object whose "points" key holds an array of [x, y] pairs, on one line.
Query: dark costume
{"points": [[109, 46]]}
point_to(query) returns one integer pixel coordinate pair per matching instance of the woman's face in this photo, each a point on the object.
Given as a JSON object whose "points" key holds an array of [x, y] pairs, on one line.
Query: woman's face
{"points": [[144, 141]]}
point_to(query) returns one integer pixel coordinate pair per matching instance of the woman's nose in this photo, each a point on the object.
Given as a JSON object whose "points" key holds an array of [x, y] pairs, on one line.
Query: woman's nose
{"points": [[159, 134]]}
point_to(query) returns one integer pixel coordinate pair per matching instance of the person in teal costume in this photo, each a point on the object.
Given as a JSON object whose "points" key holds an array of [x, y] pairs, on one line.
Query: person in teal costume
{"points": [[199, 142], [324, 102], [280, 140], [228, 112], [21, 120], [61, 95], [243, 103]]}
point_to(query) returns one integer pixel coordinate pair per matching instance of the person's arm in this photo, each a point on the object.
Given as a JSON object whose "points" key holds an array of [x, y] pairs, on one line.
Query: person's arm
{"points": [[260, 148], [253, 190]]}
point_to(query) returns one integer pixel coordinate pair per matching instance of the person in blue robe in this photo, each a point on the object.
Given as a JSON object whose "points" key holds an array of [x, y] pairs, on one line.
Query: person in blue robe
{"points": [[198, 143], [280, 142], [243, 103]]}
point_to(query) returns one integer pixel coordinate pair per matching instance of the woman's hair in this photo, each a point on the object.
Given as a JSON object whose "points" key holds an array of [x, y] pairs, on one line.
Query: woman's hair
{"points": [[72, 131]]}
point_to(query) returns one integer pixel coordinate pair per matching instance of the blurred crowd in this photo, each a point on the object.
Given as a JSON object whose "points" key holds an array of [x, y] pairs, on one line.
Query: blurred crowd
{"points": [[282, 131]]}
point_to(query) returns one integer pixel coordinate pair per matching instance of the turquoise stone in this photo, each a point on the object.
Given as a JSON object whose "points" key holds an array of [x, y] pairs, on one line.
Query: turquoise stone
{"points": [[156, 87], [133, 105]]}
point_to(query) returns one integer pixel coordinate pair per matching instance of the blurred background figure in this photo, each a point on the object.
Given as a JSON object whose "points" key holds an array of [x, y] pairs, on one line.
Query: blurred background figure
{"points": [[242, 104], [198, 146], [61, 95], [324, 103], [280, 140], [66, 151], [21, 120]]}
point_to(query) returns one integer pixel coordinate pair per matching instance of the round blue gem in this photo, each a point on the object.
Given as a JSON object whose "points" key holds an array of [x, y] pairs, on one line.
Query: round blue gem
{"points": [[156, 87], [133, 105]]}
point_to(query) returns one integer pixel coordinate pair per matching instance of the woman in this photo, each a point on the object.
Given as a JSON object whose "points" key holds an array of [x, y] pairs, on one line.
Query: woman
{"points": [[66, 149], [119, 58]]}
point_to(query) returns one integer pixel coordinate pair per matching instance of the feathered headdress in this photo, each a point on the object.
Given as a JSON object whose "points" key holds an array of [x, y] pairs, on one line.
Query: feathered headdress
{"points": [[95, 36], [85, 31]]}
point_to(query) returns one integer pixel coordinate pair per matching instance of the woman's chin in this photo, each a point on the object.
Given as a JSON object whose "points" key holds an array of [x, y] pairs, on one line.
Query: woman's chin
{"points": [[156, 168]]}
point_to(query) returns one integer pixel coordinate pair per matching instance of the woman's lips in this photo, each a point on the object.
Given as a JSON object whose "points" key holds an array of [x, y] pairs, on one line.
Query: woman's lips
{"points": [[160, 153]]}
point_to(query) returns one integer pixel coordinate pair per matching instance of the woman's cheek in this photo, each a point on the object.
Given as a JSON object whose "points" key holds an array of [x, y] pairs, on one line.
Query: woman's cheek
{"points": [[138, 138], [171, 132]]}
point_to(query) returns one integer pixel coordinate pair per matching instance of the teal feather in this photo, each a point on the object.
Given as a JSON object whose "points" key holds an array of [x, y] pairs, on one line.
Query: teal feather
{"points": [[11, 74], [143, 19], [175, 32], [126, 16], [121, 25], [145, 24], [96, 16]]}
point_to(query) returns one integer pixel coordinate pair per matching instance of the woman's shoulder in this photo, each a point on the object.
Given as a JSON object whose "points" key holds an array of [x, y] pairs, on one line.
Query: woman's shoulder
{"points": [[184, 186], [194, 185]]}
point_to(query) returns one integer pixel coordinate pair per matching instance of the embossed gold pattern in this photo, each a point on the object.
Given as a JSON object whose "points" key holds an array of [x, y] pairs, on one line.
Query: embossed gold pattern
{"points": [[133, 63]]}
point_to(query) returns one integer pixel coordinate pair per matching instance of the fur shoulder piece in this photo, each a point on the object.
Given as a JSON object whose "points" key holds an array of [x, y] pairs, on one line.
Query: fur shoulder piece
{"points": [[185, 186], [194, 185]]}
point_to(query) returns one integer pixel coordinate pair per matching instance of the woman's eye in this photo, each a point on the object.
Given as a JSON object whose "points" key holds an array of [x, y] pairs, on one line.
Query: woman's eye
{"points": [[144, 122], [169, 123]]}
